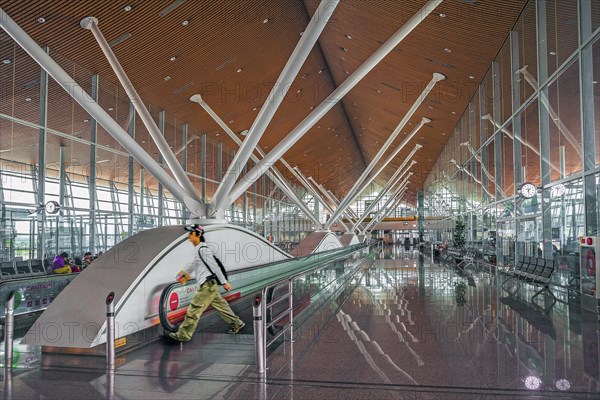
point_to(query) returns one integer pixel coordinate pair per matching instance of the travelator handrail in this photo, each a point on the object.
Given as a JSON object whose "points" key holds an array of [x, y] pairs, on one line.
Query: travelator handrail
{"points": [[265, 319], [305, 264]]}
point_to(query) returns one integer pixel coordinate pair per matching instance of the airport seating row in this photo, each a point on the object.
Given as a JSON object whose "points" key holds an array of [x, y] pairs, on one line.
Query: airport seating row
{"points": [[22, 269], [534, 271]]}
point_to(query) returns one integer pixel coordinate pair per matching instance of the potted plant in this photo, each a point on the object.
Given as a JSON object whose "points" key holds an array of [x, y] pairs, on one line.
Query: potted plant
{"points": [[459, 238], [460, 294]]}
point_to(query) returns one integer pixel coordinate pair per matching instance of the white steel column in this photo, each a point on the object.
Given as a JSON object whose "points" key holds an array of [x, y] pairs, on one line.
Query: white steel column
{"points": [[398, 192], [352, 196], [394, 180], [393, 155], [221, 198], [511, 136], [300, 176], [357, 187], [530, 79], [91, 23], [332, 100], [89, 105], [377, 218], [337, 203], [274, 173], [329, 197]]}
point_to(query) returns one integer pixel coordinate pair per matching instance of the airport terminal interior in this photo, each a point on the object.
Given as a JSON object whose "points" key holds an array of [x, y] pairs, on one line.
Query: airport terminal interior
{"points": [[404, 195]]}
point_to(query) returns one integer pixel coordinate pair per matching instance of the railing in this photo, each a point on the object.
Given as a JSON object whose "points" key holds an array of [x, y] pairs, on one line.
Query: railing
{"points": [[263, 307], [265, 316], [176, 297]]}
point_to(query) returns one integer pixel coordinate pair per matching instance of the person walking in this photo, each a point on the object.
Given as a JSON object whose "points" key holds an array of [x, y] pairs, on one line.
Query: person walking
{"points": [[209, 273]]}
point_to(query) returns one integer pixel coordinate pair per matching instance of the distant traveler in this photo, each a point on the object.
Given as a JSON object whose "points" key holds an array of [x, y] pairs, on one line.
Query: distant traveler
{"points": [[208, 273], [87, 260], [60, 265]]}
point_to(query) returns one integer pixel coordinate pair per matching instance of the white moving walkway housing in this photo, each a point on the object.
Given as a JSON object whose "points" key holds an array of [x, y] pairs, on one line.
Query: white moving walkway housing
{"points": [[136, 270]]}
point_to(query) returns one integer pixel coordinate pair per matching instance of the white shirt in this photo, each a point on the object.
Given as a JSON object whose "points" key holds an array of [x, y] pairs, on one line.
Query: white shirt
{"points": [[197, 269]]}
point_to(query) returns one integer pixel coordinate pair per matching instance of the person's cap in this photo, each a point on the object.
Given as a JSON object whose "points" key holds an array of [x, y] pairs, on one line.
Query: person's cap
{"points": [[195, 228]]}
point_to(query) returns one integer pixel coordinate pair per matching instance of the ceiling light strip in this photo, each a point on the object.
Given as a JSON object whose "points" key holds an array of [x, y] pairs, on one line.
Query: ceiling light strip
{"points": [[173, 6], [120, 40]]}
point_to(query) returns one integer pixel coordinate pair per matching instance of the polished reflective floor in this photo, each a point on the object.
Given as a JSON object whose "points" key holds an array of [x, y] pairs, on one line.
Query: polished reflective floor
{"points": [[402, 327]]}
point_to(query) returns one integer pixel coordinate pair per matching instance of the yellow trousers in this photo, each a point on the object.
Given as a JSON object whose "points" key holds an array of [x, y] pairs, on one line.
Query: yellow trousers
{"points": [[64, 270], [207, 295]]}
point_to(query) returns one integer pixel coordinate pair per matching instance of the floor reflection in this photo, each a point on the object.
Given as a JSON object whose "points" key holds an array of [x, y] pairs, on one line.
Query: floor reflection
{"points": [[395, 329]]}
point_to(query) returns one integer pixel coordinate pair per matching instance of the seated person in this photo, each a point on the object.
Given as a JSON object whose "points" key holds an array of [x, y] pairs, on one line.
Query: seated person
{"points": [[60, 264], [87, 260]]}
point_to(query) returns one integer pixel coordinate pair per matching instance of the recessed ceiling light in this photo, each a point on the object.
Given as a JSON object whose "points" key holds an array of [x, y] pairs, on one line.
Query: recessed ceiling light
{"points": [[185, 23], [301, 33], [447, 50], [311, 107], [254, 109], [110, 108], [86, 120], [453, 112], [443, 133], [7, 61], [266, 20], [231, 122], [167, 78], [347, 72], [239, 70], [27, 98], [379, 91], [127, 8], [173, 58], [345, 49], [471, 77], [217, 134], [143, 141], [442, 15], [431, 108], [41, 20], [321, 71], [244, 132], [299, 91], [552, 53], [349, 37]]}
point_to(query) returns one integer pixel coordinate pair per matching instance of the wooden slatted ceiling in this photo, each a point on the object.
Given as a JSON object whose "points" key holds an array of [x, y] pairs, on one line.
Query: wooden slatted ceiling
{"points": [[473, 33], [224, 36]]}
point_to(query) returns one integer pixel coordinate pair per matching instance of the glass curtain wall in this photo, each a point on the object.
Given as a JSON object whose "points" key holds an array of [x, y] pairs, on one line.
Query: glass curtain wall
{"points": [[52, 150], [534, 119]]}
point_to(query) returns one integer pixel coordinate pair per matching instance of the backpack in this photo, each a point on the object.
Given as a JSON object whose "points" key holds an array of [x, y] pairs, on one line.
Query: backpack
{"points": [[219, 263]]}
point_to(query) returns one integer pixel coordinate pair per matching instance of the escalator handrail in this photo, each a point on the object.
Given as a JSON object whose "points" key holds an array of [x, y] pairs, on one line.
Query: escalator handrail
{"points": [[292, 274]]}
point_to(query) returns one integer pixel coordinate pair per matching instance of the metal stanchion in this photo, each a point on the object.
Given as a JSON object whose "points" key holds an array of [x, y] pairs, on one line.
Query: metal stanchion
{"points": [[110, 331], [9, 327], [8, 383], [259, 335]]}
